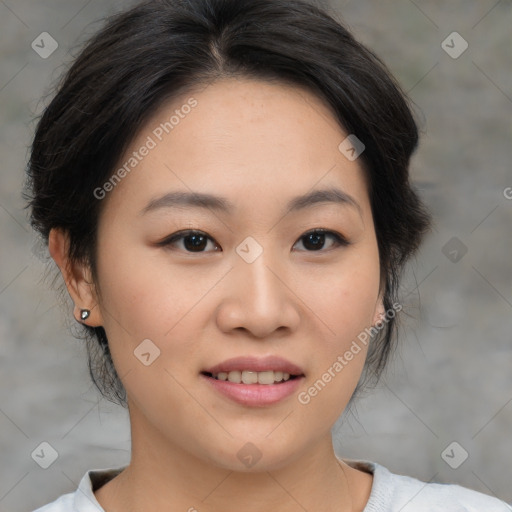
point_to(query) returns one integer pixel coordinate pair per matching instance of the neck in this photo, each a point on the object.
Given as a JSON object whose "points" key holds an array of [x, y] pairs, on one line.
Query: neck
{"points": [[164, 477]]}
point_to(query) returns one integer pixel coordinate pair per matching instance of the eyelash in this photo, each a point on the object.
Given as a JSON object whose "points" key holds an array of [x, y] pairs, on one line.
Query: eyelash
{"points": [[339, 239]]}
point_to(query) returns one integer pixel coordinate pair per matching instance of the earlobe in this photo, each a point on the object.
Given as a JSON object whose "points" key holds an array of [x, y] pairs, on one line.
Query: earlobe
{"points": [[380, 312], [78, 280]]}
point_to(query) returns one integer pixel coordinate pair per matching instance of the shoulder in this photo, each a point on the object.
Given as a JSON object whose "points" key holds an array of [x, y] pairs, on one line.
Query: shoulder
{"points": [[83, 498], [411, 494], [392, 492], [62, 504]]}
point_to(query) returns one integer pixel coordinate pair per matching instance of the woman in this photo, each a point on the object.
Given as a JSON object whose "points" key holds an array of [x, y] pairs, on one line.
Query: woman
{"points": [[224, 187]]}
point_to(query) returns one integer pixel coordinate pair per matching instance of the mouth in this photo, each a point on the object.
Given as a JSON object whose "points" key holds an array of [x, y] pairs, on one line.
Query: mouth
{"points": [[253, 381], [268, 377]]}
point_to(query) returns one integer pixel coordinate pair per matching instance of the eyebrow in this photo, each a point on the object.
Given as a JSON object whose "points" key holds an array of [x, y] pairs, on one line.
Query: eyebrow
{"points": [[223, 205]]}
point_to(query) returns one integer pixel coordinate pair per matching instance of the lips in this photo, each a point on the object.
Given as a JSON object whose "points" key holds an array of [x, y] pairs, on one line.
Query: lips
{"points": [[255, 365], [254, 381]]}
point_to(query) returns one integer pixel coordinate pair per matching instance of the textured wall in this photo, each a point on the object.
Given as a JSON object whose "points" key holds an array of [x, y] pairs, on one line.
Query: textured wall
{"points": [[451, 379]]}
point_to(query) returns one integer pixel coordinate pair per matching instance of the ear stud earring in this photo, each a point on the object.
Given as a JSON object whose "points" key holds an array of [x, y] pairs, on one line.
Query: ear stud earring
{"points": [[84, 314]]}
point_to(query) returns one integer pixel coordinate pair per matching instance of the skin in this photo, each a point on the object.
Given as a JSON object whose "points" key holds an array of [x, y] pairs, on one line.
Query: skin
{"points": [[259, 145]]}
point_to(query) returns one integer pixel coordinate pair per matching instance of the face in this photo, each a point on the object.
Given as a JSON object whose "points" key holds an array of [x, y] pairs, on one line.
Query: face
{"points": [[184, 289]]}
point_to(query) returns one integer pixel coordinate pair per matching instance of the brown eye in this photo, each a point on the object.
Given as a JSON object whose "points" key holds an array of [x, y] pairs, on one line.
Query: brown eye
{"points": [[315, 240], [193, 241], [197, 241]]}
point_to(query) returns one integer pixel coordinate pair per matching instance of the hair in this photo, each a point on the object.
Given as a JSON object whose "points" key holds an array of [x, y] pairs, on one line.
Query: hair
{"points": [[156, 50]]}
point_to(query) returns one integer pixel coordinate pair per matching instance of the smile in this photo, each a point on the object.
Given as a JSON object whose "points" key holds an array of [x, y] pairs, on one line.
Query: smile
{"points": [[251, 377]]}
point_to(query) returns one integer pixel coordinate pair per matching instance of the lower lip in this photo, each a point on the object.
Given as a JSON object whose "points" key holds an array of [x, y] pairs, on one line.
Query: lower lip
{"points": [[255, 395]]}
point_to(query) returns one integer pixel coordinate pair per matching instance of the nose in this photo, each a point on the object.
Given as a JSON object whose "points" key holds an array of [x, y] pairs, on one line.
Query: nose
{"points": [[258, 298]]}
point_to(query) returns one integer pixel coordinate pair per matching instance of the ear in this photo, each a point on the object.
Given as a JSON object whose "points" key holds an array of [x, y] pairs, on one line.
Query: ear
{"points": [[77, 277], [380, 312]]}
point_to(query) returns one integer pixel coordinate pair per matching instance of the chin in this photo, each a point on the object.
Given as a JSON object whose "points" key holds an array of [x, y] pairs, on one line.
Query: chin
{"points": [[258, 455]]}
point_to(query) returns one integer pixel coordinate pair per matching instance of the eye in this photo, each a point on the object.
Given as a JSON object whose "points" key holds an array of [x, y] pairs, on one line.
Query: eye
{"points": [[197, 241], [194, 241], [315, 240]]}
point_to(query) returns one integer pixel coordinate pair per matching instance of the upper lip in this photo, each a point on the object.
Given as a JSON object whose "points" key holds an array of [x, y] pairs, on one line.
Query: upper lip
{"points": [[256, 364]]}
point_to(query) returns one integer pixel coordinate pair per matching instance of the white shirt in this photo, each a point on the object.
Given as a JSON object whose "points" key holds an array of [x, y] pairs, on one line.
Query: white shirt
{"points": [[390, 493]]}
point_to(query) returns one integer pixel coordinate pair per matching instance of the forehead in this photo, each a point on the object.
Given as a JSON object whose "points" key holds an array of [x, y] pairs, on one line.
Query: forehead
{"points": [[241, 136]]}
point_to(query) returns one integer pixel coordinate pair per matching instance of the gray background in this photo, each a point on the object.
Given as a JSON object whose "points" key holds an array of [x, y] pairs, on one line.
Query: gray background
{"points": [[450, 380]]}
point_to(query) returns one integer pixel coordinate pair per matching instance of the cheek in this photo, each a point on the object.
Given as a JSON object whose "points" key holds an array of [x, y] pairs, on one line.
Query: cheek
{"points": [[141, 292], [344, 299], [343, 304], [143, 299], [145, 296]]}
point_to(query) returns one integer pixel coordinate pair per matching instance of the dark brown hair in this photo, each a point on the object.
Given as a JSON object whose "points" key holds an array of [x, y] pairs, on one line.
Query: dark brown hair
{"points": [[158, 49]]}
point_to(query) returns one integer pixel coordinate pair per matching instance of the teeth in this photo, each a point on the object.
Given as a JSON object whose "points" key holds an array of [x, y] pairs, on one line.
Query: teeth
{"points": [[235, 376], [264, 377], [249, 377]]}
